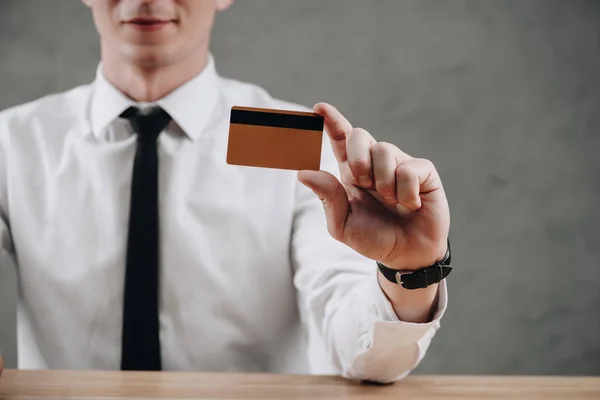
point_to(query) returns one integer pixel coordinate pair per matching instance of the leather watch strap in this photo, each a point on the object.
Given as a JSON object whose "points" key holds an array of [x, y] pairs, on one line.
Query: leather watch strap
{"points": [[420, 278]]}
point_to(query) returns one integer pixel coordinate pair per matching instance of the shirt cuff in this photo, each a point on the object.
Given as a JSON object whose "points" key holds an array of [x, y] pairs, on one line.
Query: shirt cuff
{"points": [[392, 348]]}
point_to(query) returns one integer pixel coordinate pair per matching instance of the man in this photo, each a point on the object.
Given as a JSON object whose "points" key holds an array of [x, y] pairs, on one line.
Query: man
{"points": [[138, 247]]}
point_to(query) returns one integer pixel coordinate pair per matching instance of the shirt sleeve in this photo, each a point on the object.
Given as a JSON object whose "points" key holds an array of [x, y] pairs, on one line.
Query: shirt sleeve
{"points": [[342, 304], [7, 257], [6, 245]]}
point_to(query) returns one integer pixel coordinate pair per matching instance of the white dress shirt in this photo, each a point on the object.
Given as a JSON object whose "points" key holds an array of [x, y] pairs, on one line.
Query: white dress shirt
{"points": [[250, 278]]}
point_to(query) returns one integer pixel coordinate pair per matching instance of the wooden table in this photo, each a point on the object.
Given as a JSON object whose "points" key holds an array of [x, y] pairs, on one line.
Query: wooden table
{"points": [[45, 385]]}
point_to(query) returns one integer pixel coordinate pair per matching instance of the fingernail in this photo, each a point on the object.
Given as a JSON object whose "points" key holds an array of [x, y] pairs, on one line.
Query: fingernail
{"points": [[364, 180]]}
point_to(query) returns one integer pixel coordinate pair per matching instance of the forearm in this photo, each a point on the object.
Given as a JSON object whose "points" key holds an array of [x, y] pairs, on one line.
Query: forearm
{"points": [[416, 305]]}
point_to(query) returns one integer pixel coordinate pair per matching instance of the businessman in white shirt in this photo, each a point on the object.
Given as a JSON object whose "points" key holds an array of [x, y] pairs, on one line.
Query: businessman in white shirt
{"points": [[137, 247]]}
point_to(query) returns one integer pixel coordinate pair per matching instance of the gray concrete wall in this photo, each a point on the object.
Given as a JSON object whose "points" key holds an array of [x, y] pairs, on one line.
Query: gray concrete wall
{"points": [[503, 95]]}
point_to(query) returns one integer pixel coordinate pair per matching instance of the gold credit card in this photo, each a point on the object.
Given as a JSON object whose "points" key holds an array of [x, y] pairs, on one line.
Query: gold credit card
{"points": [[269, 138]]}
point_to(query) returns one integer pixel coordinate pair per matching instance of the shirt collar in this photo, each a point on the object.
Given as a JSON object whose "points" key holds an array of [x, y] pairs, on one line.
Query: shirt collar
{"points": [[190, 105]]}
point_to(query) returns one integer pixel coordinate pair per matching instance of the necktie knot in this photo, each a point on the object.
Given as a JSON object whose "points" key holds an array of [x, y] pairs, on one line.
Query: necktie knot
{"points": [[147, 123]]}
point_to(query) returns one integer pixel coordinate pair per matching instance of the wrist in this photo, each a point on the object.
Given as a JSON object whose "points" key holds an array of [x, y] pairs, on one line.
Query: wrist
{"points": [[419, 277], [418, 261]]}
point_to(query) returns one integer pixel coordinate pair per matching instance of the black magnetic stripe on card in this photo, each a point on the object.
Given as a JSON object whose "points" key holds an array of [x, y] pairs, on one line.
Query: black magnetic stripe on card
{"points": [[304, 122]]}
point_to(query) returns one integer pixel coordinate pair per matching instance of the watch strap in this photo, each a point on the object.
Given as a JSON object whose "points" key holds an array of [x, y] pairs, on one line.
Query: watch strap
{"points": [[420, 278]]}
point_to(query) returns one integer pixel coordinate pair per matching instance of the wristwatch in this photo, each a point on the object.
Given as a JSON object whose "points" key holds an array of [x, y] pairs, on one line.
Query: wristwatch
{"points": [[420, 278]]}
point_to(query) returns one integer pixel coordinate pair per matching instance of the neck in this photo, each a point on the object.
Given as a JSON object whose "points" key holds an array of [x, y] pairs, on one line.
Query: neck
{"points": [[151, 82]]}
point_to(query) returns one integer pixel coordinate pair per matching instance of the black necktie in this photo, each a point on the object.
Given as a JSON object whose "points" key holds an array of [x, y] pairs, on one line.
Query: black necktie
{"points": [[140, 340]]}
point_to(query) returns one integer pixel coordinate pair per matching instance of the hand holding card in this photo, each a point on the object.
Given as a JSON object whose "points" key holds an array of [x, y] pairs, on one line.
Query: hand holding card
{"points": [[261, 137]]}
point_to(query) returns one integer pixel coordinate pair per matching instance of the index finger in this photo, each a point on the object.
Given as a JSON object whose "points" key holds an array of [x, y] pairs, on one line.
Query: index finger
{"points": [[337, 127]]}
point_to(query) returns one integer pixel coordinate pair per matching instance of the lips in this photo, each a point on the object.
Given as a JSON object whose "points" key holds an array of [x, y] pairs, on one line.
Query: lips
{"points": [[148, 24]]}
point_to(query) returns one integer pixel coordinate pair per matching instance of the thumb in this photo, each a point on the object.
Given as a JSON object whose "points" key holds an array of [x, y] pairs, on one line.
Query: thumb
{"points": [[334, 198]]}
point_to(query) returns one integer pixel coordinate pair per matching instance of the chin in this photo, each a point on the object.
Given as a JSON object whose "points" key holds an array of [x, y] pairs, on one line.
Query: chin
{"points": [[150, 58]]}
